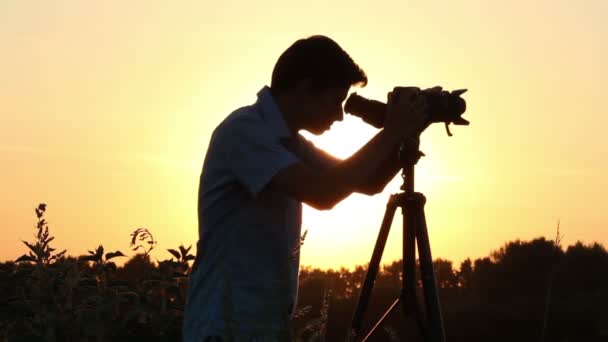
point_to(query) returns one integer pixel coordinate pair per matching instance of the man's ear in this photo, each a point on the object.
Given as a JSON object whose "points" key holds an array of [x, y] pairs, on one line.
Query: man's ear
{"points": [[304, 86]]}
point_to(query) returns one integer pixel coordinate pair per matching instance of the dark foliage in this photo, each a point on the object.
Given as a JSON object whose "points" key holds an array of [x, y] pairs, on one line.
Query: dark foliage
{"points": [[503, 297]]}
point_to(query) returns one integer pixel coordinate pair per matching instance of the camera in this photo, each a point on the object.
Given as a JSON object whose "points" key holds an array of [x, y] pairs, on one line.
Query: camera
{"points": [[441, 106]]}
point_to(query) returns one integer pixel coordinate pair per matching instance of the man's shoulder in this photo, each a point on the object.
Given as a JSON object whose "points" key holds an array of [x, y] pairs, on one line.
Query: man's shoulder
{"points": [[243, 117], [245, 120]]}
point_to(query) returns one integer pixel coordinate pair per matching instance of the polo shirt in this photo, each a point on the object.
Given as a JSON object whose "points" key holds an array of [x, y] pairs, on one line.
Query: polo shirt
{"points": [[245, 279]]}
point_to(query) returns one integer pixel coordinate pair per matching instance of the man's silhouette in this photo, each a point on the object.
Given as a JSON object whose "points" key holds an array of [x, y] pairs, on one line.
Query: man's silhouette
{"points": [[257, 173]]}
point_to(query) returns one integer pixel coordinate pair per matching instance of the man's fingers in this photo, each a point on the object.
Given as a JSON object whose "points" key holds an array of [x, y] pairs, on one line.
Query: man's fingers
{"points": [[406, 91], [408, 94]]}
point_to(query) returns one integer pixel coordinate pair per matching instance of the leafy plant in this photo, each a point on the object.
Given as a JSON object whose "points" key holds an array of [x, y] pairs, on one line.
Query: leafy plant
{"points": [[43, 305], [46, 296], [101, 264], [182, 257], [316, 329], [143, 234], [40, 251]]}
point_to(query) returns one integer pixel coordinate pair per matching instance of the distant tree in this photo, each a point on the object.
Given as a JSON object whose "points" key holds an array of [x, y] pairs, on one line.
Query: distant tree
{"points": [[392, 273], [523, 267], [484, 277], [446, 276], [465, 274], [584, 269]]}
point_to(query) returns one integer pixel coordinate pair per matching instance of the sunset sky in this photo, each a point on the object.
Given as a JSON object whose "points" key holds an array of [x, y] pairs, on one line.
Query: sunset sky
{"points": [[107, 107]]}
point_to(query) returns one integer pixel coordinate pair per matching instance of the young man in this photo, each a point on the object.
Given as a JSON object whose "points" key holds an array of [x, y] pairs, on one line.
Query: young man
{"points": [[257, 173]]}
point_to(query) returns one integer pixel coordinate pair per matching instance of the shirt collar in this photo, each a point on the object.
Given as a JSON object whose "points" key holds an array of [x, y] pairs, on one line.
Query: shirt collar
{"points": [[272, 114]]}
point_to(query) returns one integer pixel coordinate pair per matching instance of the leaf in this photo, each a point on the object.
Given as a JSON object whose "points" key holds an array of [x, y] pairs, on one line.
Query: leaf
{"points": [[46, 242], [99, 252], [175, 253], [40, 210], [87, 258], [32, 247], [25, 258], [184, 250], [113, 255], [133, 237], [189, 257]]}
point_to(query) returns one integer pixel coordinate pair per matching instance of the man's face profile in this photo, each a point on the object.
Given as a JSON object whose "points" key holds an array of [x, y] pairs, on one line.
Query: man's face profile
{"points": [[325, 107]]}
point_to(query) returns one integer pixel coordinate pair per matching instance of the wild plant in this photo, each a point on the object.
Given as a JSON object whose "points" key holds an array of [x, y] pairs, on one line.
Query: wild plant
{"points": [[102, 265], [44, 300], [315, 330], [168, 283], [144, 236], [40, 251], [164, 288]]}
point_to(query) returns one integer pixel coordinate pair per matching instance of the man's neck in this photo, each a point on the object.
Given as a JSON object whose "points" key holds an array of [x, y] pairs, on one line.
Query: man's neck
{"points": [[290, 110]]}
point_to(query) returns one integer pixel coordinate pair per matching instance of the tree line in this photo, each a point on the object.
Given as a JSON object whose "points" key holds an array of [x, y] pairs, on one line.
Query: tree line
{"points": [[524, 291]]}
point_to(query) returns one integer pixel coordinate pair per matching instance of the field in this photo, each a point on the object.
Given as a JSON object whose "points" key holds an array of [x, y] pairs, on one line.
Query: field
{"points": [[525, 291]]}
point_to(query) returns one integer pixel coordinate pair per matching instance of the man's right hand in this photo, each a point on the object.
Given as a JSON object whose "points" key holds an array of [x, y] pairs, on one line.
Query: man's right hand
{"points": [[405, 115]]}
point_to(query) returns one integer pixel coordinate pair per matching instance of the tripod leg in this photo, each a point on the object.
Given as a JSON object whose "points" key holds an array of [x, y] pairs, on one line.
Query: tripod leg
{"points": [[408, 274], [372, 271], [429, 281], [409, 299]]}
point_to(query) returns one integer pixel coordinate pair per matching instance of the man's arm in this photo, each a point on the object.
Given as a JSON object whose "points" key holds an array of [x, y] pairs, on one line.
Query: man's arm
{"points": [[322, 189], [371, 186], [381, 176]]}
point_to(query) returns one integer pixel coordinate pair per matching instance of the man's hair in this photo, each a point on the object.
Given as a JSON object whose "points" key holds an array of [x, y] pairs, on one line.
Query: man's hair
{"points": [[319, 59]]}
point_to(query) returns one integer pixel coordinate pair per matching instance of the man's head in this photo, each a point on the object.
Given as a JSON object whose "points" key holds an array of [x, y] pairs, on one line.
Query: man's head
{"points": [[311, 79]]}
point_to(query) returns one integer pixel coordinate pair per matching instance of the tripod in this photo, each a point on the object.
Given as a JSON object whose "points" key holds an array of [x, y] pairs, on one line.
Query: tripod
{"points": [[412, 207]]}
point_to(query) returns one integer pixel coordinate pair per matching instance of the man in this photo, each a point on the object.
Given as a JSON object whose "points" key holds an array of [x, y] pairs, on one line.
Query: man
{"points": [[257, 173]]}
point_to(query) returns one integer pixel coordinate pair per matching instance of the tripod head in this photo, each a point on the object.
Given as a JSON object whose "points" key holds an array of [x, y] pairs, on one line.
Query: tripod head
{"points": [[409, 154]]}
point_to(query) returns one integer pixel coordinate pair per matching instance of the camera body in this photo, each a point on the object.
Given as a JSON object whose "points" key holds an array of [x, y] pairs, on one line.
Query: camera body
{"points": [[441, 106]]}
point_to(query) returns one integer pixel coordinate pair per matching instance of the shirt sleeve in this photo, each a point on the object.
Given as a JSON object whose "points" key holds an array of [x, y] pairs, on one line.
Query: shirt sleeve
{"points": [[255, 154]]}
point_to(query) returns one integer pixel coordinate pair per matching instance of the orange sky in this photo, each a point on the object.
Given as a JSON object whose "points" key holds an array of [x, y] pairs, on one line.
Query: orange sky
{"points": [[106, 110]]}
